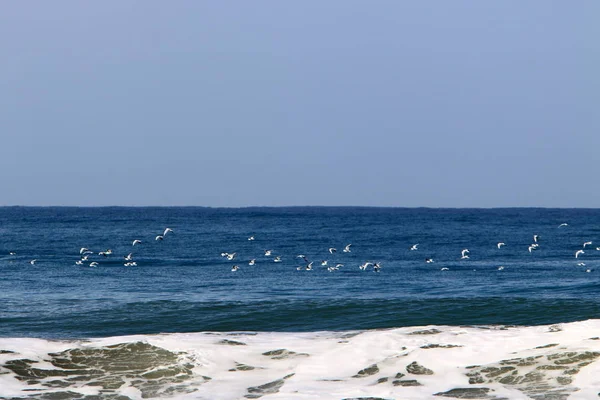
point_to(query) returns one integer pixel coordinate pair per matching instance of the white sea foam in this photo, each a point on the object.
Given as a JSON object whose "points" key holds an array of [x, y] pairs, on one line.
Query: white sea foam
{"points": [[498, 362]]}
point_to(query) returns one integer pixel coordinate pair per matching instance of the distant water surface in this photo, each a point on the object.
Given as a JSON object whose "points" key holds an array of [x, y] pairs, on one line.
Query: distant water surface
{"points": [[182, 284]]}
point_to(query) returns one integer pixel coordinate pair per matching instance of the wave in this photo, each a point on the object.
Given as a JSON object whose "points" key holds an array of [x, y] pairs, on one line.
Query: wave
{"points": [[103, 317], [479, 362]]}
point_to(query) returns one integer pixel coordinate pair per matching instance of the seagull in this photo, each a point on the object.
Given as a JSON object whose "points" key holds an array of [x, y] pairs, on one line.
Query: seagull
{"points": [[414, 246], [231, 256], [578, 252], [531, 248], [364, 266], [277, 259], [598, 248], [581, 264], [252, 262], [324, 263], [332, 250], [234, 268], [309, 266], [300, 256], [167, 231], [159, 237], [535, 238], [251, 238], [79, 262], [588, 270], [84, 258], [445, 269], [347, 248], [12, 253], [500, 268], [133, 264], [84, 250], [429, 260], [129, 257], [501, 244], [463, 254], [563, 224], [268, 252], [586, 243], [136, 241], [32, 262], [105, 253], [376, 267], [93, 264]]}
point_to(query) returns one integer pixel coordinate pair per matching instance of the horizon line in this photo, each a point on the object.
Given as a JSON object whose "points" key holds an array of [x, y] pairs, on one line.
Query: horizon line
{"points": [[302, 206]]}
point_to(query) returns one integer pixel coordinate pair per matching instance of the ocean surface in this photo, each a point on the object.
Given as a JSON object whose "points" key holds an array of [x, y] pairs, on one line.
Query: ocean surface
{"points": [[181, 324]]}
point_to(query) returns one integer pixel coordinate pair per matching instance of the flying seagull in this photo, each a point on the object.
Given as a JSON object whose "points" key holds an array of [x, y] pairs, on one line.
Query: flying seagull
{"points": [[136, 241], [347, 248], [414, 246], [332, 250], [501, 244]]}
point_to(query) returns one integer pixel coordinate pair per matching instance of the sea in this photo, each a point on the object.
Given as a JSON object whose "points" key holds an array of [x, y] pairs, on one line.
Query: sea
{"points": [[340, 303]]}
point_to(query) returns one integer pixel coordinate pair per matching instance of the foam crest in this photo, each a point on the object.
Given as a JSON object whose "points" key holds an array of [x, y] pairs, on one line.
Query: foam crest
{"points": [[491, 362]]}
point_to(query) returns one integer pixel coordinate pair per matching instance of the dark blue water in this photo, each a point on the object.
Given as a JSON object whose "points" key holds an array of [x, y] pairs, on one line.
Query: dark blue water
{"points": [[182, 284]]}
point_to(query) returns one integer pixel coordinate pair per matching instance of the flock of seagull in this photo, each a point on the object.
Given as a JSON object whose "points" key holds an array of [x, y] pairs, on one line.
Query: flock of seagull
{"points": [[87, 255], [464, 255]]}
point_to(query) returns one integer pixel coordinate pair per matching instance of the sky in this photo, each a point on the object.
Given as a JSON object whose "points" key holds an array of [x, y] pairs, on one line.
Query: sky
{"points": [[280, 103]]}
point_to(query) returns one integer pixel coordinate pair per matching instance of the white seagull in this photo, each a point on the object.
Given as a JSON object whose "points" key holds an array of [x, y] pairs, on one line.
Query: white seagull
{"points": [[347, 248], [501, 244], [332, 250], [563, 224], [79, 262], [93, 264], [231, 256], [251, 238], [364, 266], [324, 263], [500, 268], [268, 252], [32, 262], [167, 231], [586, 243], [84, 250], [136, 241], [234, 268], [129, 257], [429, 260], [159, 237], [578, 252], [535, 238], [463, 254], [414, 246], [277, 259], [252, 262], [445, 269]]}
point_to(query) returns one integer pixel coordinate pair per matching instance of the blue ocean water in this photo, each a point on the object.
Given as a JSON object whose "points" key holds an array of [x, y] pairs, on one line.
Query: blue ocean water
{"points": [[183, 284]]}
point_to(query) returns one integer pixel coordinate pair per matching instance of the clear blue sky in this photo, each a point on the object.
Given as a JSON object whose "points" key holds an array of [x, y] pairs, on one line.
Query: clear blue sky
{"points": [[338, 102]]}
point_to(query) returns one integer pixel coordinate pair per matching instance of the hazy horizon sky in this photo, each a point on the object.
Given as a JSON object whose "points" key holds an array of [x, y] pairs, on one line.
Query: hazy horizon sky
{"points": [[275, 103]]}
